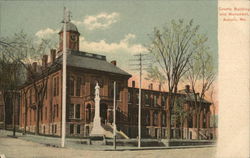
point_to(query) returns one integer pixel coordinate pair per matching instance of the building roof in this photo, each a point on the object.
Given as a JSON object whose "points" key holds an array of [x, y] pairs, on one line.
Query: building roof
{"points": [[70, 27], [92, 62], [190, 97]]}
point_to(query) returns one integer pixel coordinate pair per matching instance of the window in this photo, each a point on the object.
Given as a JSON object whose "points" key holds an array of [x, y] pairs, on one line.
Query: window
{"points": [[54, 84], [92, 87], [155, 118], [54, 111], [30, 115], [89, 112], [57, 110], [71, 111], [52, 129], [147, 121], [151, 101], [46, 93], [164, 118], [163, 100], [118, 89], [55, 128], [71, 86], [57, 86], [137, 98], [129, 97], [78, 86], [34, 115], [77, 111], [78, 129], [30, 96], [71, 128], [146, 99], [45, 113], [74, 111], [41, 114], [155, 100]]}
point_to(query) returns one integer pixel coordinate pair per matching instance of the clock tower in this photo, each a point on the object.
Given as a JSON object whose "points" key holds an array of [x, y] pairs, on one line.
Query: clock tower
{"points": [[72, 35]]}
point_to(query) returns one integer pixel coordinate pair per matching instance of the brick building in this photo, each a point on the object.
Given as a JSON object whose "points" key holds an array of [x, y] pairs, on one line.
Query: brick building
{"points": [[83, 71]]}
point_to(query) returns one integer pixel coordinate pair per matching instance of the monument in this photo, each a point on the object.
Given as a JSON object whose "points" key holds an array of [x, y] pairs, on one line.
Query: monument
{"points": [[97, 130]]}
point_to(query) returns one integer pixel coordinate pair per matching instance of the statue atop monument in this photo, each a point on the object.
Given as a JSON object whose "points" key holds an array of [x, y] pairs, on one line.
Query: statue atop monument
{"points": [[97, 90]]}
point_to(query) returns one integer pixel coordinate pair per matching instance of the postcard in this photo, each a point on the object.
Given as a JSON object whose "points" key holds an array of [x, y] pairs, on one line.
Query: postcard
{"points": [[124, 78]]}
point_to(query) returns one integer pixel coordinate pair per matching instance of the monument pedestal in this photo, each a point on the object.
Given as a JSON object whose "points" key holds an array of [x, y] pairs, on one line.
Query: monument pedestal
{"points": [[97, 135], [97, 130]]}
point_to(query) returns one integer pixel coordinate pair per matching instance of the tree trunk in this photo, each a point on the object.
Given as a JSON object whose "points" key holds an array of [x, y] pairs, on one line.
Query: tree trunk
{"points": [[14, 118], [168, 114], [25, 117], [181, 129], [198, 124], [37, 120]]}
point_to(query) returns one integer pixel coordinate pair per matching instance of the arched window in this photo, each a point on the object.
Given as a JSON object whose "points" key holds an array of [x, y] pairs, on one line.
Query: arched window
{"points": [[88, 112]]}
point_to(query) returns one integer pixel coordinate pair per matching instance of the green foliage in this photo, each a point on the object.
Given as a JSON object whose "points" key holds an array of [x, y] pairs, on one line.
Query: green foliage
{"points": [[180, 112]]}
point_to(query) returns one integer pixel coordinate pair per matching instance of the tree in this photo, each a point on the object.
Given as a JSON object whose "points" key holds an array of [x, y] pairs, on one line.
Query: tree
{"points": [[28, 54], [181, 114], [171, 49], [214, 107], [9, 81], [200, 75]]}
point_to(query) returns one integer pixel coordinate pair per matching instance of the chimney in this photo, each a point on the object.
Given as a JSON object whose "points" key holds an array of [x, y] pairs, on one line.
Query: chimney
{"points": [[159, 87], [45, 61], [133, 84], [34, 66], [150, 86], [52, 55], [187, 88], [113, 62]]}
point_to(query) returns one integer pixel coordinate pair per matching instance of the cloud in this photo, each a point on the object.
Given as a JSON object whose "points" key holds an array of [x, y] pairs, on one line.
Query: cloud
{"points": [[99, 21], [46, 33], [124, 45]]}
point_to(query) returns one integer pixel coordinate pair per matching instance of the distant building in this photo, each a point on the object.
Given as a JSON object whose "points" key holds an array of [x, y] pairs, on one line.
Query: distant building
{"points": [[2, 120], [83, 71], [6, 109]]}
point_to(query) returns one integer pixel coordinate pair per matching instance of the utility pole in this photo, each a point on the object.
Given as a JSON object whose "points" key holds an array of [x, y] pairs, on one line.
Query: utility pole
{"points": [[66, 19], [140, 64], [114, 117], [139, 111]]}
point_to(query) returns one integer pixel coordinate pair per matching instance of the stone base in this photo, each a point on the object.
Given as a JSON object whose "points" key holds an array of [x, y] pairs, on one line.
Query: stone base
{"points": [[97, 140], [97, 130]]}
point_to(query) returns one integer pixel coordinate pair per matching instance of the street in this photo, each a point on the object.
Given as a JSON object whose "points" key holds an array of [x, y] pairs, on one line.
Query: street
{"points": [[19, 148]]}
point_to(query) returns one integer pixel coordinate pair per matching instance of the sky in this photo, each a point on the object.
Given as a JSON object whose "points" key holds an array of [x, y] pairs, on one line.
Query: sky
{"points": [[117, 29]]}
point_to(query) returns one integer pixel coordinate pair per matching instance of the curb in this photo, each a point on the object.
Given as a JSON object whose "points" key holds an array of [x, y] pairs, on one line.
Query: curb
{"points": [[160, 148]]}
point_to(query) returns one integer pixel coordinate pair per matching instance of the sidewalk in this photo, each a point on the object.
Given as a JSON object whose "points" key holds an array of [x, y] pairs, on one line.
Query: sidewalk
{"points": [[76, 143]]}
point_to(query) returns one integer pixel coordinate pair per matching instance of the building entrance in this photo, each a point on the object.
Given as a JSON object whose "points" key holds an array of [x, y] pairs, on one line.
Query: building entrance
{"points": [[103, 112]]}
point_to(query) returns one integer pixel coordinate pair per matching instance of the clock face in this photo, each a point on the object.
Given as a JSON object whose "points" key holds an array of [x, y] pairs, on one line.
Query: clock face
{"points": [[73, 37]]}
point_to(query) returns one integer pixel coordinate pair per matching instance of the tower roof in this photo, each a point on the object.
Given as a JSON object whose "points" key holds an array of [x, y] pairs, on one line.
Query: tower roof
{"points": [[70, 27]]}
